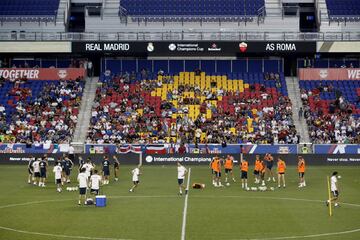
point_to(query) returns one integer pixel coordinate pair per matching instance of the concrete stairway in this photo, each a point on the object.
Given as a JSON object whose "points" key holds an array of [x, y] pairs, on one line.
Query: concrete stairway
{"points": [[292, 84], [85, 113], [273, 8]]}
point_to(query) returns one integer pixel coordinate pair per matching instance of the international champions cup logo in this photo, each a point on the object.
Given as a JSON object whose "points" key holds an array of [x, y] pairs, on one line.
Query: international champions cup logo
{"points": [[172, 47], [243, 47], [62, 74], [149, 159]]}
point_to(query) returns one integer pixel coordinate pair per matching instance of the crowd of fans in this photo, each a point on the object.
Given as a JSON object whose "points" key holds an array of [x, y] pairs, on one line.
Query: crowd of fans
{"points": [[48, 117], [332, 122], [124, 113]]}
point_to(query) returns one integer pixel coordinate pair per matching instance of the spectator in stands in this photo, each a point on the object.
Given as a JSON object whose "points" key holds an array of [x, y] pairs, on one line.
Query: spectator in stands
{"points": [[125, 109]]}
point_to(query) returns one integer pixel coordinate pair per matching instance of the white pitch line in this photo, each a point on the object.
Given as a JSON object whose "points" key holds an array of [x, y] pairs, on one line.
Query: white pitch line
{"points": [[183, 228], [58, 235], [305, 236]]}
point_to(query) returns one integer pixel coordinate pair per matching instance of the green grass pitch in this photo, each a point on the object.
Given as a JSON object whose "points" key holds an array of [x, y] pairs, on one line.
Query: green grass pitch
{"points": [[155, 211]]}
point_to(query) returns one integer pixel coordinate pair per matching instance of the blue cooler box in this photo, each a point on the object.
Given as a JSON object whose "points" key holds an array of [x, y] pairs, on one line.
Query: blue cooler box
{"points": [[100, 201]]}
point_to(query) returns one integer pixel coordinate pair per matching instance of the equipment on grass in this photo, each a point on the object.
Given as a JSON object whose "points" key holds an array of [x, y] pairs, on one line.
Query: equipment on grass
{"points": [[89, 201], [100, 201], [198, 185]]}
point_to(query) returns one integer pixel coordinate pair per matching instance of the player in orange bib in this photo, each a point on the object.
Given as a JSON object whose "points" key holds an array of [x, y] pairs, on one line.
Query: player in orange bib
{"points": [[244, 167], [212, 166], [217, 171], [257, 169], [301, 170], [281, 167], [229, 164]]}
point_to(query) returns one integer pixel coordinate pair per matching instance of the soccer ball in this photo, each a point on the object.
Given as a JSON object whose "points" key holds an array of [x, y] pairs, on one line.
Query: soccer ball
{"points": [[339, 177], [227, 184], [247, 189], [272, 189]]}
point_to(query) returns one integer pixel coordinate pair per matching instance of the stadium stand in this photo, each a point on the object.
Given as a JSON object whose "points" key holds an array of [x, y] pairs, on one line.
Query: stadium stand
{"points": [[201, 15], [332, 110], [338, 16], [344, 8], [192, 107], [35, 15], [32, 8], [39, 111], [193, 8]]}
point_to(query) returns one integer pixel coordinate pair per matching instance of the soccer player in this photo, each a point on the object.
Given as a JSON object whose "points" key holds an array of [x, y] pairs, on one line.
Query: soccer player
{"points": [[106, 170], [301, 170], [88, 167], [281, 166], [68, 166], [36, 167], [334, 187], [181, 176], [81, 162], [262, 172], [257, 169], [229, 164], [95, 181], [58, 178], [31, 170], [116, 167], [63, 163], [212, 166], [217, 171], [269, 164], [244, 167], [43, 165], [135, 177], [83, 184]]}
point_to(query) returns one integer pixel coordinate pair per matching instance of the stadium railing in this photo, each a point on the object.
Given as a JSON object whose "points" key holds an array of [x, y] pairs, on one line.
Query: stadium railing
{"points": [[165, 36]]}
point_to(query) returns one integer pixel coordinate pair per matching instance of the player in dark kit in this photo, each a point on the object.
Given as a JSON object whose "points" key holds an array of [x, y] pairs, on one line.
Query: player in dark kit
{"points": [[31, 170], [106, 170], [116, 167], [43, 165], [68, 166]]}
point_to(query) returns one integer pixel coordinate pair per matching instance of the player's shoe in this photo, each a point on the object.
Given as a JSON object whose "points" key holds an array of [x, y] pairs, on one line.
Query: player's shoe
{"points": [[336, 205], [269, 179], [273, 179], [234, 180]]}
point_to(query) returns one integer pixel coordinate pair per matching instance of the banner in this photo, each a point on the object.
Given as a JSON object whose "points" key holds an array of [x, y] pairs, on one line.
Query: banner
{"points": [[150, 159], [194, 48], [190, 148], [42, 73], [191, 159], [24, 148], [329, 74], [337, 148], [20, 158]]}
